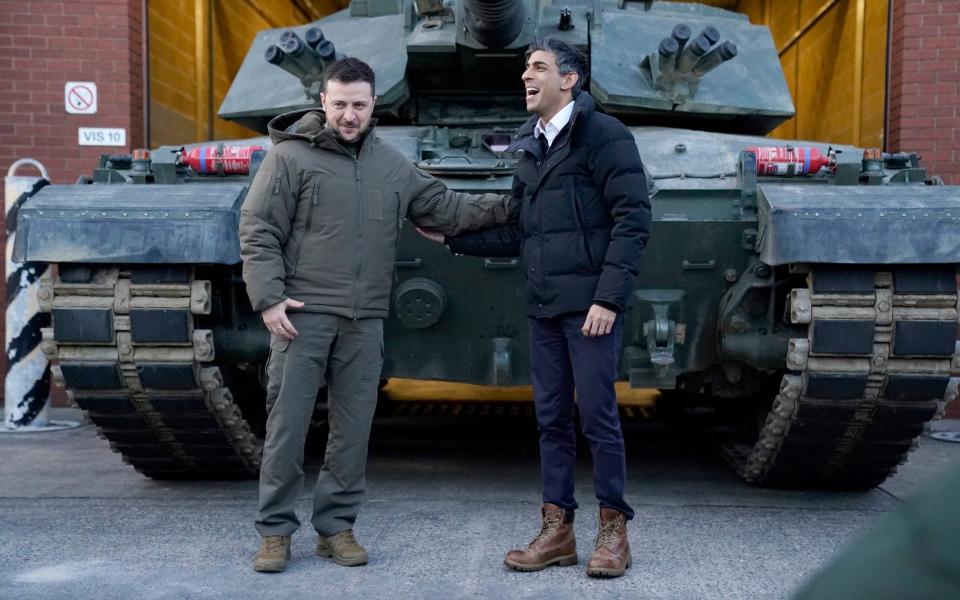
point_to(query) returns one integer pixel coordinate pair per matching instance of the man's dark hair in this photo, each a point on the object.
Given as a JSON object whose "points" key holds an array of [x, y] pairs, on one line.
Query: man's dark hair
{"points": [[569, 59], [350, 70]]}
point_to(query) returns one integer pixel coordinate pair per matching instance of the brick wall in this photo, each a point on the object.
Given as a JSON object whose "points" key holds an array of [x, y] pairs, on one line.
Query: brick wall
{"points": [[924, 81], [44, 44]]}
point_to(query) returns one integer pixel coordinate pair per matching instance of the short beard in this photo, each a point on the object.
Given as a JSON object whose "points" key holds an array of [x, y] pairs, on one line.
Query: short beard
{"points": [[340, 138]]}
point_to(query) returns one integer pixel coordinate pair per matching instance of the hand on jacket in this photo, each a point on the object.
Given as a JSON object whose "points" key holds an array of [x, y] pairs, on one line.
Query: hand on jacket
{"points": [[275, 318], [599, 321], [433, 236]]}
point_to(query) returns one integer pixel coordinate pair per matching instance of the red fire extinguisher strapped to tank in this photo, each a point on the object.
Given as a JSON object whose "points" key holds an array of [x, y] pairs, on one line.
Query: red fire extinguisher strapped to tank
{"points": [[220, 159], [787, 161]]}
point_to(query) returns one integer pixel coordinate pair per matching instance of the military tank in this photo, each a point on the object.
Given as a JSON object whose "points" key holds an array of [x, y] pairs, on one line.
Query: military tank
{"points": [[803, 293]]}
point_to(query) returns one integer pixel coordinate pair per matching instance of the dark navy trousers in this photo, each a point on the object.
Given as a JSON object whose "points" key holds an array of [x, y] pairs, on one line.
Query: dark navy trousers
{"points": [[562, 360]]}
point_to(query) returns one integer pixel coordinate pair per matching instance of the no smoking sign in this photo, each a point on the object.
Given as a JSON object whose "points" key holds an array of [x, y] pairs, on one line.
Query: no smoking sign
{"points": [[80, 97]]}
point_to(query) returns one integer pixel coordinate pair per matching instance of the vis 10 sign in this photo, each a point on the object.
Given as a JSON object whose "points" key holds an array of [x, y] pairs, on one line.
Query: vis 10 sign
{"points": [[102, 136]]}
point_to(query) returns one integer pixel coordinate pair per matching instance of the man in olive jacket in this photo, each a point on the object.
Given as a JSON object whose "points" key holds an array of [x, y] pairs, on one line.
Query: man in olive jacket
{"points": [[318, 236], [581, 223]]}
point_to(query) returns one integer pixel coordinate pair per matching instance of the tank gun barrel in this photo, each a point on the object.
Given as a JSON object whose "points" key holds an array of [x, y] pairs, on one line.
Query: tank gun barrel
{"points": [[276, 56], [313, 37], [710, 32], [713, 59], [681, 33], [326, 53], [321, 46], [692, 53], [494, 23], [304, 56], [667, 52], [678, 64], [304, 59]]}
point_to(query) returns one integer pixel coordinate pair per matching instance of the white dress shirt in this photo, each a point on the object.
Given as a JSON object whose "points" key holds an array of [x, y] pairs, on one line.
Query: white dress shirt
{"points": [[553, 128]]}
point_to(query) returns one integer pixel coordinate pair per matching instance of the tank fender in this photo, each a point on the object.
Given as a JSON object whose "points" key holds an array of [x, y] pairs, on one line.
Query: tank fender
{"points": [[150, 223], [895, 224]]}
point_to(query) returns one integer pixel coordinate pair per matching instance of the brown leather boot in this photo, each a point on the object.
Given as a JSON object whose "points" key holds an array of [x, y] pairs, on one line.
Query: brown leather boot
{"points": [[611, 554], [273, 555], [554, 545]]}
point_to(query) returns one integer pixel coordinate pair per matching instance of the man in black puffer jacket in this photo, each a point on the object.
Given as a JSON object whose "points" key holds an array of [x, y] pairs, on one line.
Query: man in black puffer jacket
{"points": [[580, 220]]}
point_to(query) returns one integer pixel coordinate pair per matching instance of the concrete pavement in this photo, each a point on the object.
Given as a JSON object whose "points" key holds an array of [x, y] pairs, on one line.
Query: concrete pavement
{"points": [[447, 498]]}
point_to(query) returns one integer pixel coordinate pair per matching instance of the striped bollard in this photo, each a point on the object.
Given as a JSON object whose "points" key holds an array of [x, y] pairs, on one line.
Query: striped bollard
{"points": [[27, 384]]}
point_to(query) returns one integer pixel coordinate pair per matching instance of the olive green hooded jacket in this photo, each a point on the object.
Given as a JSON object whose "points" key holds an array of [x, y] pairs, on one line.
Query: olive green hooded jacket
{"points": [[321, 225]]}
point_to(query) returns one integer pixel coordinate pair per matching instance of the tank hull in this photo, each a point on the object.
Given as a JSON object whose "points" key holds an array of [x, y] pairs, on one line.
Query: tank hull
{"points": [[814, 318]]}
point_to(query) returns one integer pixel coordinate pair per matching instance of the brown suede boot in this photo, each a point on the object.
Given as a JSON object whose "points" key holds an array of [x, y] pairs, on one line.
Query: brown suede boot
{"points": [[273, 555], [611, 554], [554, 545], [342, 548]]}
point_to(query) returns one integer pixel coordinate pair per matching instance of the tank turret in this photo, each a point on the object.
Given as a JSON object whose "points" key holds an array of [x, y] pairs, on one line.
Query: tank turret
{"points": [[664, 63]]}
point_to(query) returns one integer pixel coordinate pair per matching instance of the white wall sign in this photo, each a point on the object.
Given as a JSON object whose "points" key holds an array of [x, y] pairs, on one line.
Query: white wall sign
{"points": [[102, 136], [80, 97]]}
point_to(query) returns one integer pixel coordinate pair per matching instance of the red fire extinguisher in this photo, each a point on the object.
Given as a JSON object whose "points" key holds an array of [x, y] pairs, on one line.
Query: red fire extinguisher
{"points": [[221, 159], [787, 161]]}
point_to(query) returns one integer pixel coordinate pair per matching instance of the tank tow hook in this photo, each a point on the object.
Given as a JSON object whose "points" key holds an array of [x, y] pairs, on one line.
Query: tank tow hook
{"points": [[502, 362], [660, 334]]}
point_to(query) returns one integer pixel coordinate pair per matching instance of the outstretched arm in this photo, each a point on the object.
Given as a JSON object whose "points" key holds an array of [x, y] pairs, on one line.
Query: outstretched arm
{"points": [[436, 208], [501, 241]]}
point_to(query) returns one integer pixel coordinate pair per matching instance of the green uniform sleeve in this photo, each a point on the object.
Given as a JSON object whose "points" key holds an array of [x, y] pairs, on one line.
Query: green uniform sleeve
{"points": [[266, 218], [435, 207]]}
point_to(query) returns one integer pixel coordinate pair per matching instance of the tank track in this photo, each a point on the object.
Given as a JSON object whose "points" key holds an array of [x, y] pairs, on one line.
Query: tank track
{"points": [[875, 366], [130, 355]]}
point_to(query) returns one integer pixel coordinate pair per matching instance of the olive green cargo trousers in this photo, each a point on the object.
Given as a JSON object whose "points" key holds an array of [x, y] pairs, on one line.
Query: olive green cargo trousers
{"points": [[348, 354]]}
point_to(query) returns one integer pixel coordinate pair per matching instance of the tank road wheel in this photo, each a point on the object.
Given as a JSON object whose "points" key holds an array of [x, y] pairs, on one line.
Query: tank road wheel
{"points": [[874, 367], [130, 356]]}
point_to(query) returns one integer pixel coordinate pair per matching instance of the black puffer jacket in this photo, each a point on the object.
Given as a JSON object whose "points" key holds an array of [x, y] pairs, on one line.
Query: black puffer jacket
{"points": [[583, 218]]}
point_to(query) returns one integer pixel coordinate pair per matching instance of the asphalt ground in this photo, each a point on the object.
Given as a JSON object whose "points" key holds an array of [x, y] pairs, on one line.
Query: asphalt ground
{"points": [[447, 498]]}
